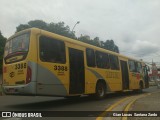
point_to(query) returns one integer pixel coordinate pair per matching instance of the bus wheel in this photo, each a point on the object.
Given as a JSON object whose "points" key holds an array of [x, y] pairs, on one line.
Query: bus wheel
{"points": [[100, 90]]}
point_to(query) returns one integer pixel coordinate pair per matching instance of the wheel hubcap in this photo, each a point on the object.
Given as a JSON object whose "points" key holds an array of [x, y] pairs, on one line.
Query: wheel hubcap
{"points": [[101, 91]]}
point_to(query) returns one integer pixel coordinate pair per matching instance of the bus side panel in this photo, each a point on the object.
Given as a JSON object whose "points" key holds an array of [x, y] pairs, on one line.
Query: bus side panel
{"points": [[48, 83], [91, 80], [52, 78], [112, 78]]}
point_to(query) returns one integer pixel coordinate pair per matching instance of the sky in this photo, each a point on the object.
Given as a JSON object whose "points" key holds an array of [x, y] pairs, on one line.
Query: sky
{"points": [[134, 25]]}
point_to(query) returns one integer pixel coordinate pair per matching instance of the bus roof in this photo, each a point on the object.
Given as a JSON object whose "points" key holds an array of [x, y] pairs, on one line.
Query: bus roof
{"points": [[70, 40]]}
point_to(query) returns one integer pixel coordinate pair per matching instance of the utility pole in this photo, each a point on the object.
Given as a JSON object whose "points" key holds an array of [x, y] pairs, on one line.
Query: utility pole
{"points": [[75, 25]]}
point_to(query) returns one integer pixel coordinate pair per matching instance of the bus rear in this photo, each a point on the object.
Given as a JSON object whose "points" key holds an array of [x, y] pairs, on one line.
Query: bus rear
{"points": [[17, 70]]}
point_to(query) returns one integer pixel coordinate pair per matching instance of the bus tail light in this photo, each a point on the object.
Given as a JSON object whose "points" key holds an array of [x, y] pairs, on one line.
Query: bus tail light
{"points": [[29, 75]]}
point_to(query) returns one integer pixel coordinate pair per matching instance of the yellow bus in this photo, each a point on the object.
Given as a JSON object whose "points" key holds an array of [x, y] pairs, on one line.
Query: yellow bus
{"points": [[38, 62]]}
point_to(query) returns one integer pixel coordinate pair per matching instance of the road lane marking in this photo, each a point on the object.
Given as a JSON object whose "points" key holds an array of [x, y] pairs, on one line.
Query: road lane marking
{"points": [[131, 103], [100, 117], [111, 107]]}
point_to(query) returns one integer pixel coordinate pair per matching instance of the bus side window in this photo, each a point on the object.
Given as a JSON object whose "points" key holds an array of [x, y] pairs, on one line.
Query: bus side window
{"points": [[52, 50], [102, 60], [90, 55], [114, 62], [132, 66], [139, 67]]}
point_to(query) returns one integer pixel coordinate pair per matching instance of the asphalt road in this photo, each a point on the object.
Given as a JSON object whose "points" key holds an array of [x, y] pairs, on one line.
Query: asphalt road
{"points": [[84, 103], [0, 78]]}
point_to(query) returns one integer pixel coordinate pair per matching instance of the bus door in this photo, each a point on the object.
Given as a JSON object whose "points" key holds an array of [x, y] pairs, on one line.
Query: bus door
{"points": [[133, 75], [77, 77], [125, 75], [146, 77]]}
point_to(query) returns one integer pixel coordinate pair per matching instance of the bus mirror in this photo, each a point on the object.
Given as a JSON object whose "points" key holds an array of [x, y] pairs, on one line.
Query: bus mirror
{"points": [[148, 69]]}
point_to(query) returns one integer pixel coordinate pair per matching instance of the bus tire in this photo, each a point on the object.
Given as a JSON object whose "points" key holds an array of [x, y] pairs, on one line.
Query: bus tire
{"points": [[100, 90]]}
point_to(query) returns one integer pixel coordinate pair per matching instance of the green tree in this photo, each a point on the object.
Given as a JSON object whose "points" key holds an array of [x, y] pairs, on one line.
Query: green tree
{"points": [[116, 49], [39, 24], [62, 29], [59, 28], [2, 43], [110, 45], [22, 27], [96, 42], [85, 38]]}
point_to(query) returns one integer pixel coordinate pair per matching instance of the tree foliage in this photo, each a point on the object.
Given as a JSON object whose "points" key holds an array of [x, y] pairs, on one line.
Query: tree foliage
{"points": [[59, 28], [108, 44], [62, 29], [2, 43]]}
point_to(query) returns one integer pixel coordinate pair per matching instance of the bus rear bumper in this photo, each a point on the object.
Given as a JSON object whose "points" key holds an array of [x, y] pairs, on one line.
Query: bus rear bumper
{"points": [[27, 89]]}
